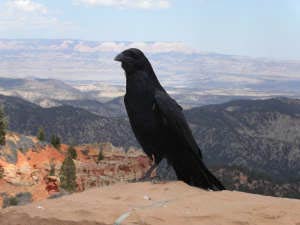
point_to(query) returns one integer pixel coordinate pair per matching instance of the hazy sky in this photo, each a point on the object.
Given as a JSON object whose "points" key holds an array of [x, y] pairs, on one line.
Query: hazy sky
{"points": [[264, 28]]}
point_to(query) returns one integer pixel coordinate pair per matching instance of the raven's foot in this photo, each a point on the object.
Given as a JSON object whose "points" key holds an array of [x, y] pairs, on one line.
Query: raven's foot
{"points": [[148, 175], [153, 180], [158, 180]]}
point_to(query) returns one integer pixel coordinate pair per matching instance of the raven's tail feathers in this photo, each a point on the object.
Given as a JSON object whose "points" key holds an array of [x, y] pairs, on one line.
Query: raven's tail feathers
{"points": [[197, 174], [215, 184]]}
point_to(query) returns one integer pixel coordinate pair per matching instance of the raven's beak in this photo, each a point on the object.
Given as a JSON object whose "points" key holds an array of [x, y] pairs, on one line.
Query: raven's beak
{"points": [[120, 57]]}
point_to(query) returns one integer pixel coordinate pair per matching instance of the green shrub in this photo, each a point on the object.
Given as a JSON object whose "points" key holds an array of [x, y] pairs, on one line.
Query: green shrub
{"points": [[13, 201], [21, 198]]}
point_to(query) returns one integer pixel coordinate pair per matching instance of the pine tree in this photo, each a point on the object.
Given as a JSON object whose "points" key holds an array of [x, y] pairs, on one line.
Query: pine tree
{"points": [[52, 168], [3, 126], [72, 152], [100, 156], [41, 134], [55, 141], [68, 175], [1, 172], [58, 142]]}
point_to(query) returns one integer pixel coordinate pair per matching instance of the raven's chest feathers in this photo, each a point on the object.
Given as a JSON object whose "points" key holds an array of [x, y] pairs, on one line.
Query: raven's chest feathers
{"points": [[140, 105]]}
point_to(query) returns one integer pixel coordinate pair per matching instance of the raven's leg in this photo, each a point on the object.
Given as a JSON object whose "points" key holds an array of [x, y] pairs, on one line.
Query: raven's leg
{"points": [[147, 176]]}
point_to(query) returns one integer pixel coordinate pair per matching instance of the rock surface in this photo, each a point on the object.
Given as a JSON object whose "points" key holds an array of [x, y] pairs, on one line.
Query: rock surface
{"points": [[156, 204]]}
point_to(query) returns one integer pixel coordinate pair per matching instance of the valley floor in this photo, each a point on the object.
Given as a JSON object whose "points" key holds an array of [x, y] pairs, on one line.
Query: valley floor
{"points": [[155, 204]]}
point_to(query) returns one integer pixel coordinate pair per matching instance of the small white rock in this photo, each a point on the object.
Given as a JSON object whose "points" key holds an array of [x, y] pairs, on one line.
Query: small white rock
{"points": [[146, 197]]}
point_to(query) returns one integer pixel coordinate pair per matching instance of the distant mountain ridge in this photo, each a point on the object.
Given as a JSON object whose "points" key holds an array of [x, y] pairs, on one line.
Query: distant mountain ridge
{"points": [[102, 98], [38, 90], [73, 125], [50, 93], [175, 64], [113, 108], [262, 135]]}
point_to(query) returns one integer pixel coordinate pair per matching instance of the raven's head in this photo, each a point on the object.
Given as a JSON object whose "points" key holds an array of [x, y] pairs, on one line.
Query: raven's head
{"points": [[132, 60]]}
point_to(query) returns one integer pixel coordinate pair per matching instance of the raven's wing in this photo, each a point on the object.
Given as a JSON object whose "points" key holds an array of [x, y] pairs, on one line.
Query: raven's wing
{"points": [[189, 166], [172, 115]]}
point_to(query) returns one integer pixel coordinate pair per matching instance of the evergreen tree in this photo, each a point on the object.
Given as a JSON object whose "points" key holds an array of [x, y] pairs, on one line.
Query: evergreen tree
{"points": [[72, 152], [3, 126], [41, 134], [52, 168], [100, 156], [58, 142], [55, 141], [1, 172], [68, 175]]}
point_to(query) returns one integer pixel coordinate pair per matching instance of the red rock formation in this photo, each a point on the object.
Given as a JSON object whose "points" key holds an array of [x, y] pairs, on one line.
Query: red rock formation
{"points": [[30, 172], [52, 184]]}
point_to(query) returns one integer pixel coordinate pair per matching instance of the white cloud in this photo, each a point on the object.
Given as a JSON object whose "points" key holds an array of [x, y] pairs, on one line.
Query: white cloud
{"points": [[27, 16], [27, 6], [142, 4]]}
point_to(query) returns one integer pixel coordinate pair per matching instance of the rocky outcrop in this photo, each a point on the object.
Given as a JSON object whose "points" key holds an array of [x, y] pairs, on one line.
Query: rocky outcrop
{"points": [[156, 204], [29, 171], [116, 166]]}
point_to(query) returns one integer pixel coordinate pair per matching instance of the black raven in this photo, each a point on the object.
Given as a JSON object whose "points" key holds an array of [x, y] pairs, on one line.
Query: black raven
{"points": [[159, 124]]}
